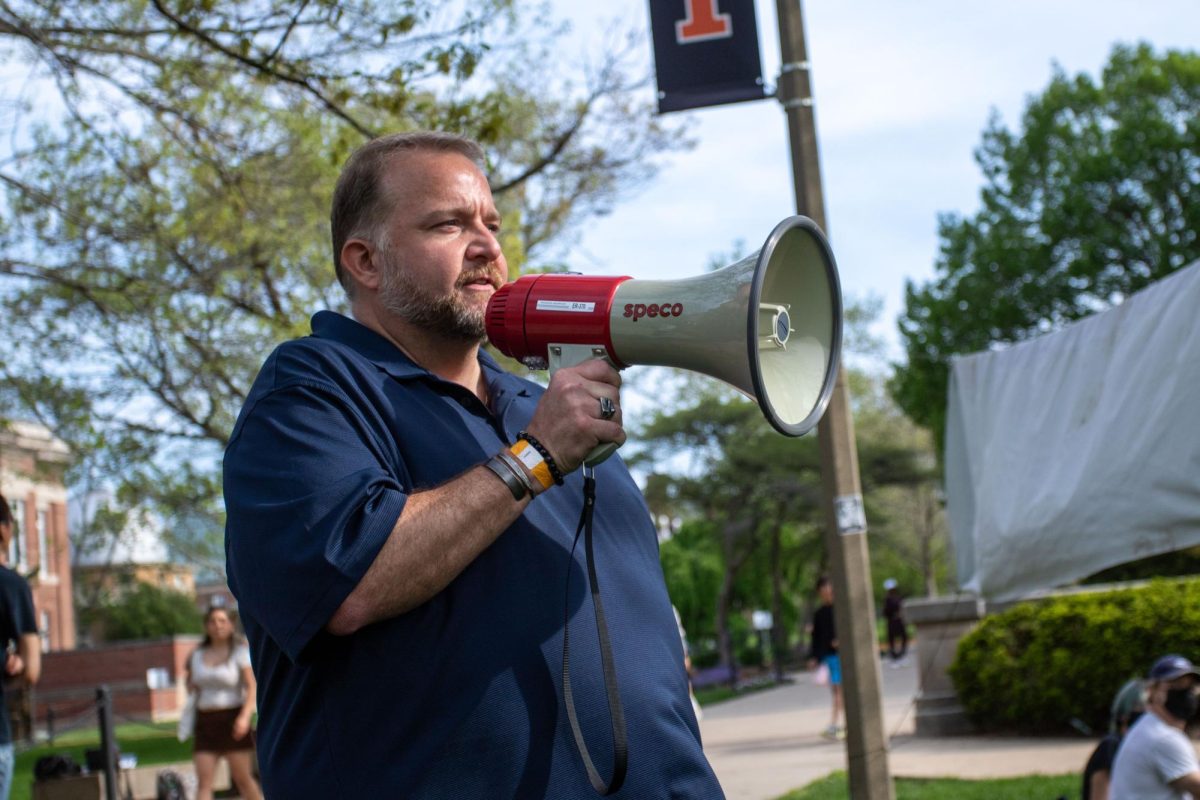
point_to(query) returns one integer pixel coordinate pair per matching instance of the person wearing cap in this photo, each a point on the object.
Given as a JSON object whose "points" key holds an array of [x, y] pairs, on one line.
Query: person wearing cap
{"points": [[897, 629], [1128, 705], [1156, 760]]}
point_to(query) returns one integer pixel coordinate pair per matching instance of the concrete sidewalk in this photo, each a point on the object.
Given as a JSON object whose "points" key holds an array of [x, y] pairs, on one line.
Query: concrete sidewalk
{"points": [[767, 743]]}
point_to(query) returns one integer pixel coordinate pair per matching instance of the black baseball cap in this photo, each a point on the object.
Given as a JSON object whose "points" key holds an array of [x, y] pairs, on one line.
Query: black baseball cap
{"points": [[1168, 668]]}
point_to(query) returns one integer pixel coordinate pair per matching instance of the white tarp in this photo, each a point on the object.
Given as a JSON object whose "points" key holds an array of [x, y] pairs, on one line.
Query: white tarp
{"points": [[1078, 450]]}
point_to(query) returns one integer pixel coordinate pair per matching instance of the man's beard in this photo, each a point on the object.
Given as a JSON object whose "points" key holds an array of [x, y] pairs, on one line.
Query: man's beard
{"points": [[448, 316]]}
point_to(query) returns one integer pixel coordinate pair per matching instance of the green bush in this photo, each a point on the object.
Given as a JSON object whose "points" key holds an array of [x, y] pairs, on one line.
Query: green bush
{"points": [[1040, 665]]}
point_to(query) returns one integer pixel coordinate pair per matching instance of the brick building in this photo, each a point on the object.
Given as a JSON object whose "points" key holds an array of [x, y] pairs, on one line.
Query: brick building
{"points": [[33, 464], [146, 679]]}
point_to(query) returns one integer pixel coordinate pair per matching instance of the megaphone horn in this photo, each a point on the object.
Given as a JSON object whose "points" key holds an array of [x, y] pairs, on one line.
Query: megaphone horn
{"points": [[769, 325]]}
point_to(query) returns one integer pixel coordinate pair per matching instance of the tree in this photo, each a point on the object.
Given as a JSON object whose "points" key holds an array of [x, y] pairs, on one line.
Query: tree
{"points": [[752, 504], [1094, 198], [902, 491], [146, 612], [166, 228], [693, 569], [746, 491]]}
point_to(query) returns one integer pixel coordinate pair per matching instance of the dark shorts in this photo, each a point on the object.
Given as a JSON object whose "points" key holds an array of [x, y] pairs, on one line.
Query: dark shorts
{"points": [[214, 732]]}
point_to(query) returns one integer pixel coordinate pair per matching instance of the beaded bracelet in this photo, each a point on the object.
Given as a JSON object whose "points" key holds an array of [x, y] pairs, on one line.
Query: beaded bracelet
{"points": [[549, 459]]}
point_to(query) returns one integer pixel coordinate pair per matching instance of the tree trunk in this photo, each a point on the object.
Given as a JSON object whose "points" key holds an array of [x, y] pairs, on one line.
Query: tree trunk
{"points": [[778, 632], [927, 530], [733, 563], [724, 639]]}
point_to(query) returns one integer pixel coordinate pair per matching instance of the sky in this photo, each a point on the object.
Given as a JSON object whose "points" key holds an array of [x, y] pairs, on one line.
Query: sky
{"points": [[902, 91]]}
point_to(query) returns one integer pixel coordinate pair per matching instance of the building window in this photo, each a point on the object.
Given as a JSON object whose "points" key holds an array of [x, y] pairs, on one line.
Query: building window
{"points": [[16, 548], [45, 565], [44, 631]]}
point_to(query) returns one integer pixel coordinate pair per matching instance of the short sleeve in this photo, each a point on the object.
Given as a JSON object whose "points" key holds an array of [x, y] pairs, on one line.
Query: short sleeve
{"points": [[18, 617], [1175, 759], [26, 620], [242, 656], [311, 495]]}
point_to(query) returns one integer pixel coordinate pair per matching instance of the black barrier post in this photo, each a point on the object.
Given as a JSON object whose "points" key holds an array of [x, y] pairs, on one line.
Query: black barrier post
{"points": [[108, 742]]}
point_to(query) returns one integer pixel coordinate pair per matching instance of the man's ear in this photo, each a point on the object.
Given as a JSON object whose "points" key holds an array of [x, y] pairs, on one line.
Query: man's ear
{"points": [[360, 262]]}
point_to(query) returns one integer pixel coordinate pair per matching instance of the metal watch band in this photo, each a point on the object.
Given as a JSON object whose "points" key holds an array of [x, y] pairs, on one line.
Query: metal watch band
{"points": [[515, 465], [504, 472]]}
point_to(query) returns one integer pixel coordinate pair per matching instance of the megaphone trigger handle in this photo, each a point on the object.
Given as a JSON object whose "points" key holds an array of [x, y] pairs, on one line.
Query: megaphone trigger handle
{"points": [[599, 454], [568, 355]]}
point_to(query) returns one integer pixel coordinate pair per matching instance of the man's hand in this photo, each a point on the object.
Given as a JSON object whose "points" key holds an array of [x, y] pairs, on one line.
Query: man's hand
{"points": [[567, 419]]}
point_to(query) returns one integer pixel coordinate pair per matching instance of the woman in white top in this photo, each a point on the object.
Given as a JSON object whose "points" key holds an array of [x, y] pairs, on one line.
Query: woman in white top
{"points": [[220, 676]]}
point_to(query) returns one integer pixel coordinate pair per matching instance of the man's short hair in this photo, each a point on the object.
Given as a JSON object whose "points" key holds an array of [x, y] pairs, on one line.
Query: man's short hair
{"points": [[360, 205], [5, 511]]}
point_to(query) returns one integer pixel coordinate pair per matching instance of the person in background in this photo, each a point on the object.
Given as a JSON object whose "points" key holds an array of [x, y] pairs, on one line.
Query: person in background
{"points": [[18, 636], [687, 663], [897, 628], [1156, 759], [823, 650], [1128, 705], [219, 672]]}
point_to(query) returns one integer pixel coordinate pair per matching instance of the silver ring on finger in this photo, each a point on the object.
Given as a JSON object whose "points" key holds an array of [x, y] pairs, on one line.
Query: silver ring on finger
{"points": [[608, 409]]}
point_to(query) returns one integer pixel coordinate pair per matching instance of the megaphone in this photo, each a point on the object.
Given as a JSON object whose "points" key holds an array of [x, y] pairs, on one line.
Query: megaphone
{"points": [[769, 325]]}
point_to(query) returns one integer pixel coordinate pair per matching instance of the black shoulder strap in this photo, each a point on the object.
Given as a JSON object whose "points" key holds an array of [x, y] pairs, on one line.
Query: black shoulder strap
{"points": [[615, 710]]}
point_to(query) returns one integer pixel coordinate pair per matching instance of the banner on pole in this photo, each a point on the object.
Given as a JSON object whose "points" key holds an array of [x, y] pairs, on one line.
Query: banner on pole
{"points": [[705, 53]]}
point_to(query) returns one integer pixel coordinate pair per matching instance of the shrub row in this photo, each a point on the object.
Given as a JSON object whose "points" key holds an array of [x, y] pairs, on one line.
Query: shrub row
{"points": [[1044, 666]]}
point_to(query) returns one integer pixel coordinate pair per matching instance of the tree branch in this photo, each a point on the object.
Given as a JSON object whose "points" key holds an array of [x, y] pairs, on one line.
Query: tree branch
{"points": [[264, 68]]}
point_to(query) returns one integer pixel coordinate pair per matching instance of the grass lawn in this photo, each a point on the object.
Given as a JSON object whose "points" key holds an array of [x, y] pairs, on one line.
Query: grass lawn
{"points": [[716, 694], [719, 693], [152, 743], [1032, 787]]}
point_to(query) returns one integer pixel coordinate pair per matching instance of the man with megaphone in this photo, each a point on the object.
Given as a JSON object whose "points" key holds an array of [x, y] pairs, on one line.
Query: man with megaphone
{"points": [[401, 526]]}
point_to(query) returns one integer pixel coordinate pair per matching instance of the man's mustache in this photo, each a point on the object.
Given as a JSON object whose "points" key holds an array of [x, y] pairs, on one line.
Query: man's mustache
{"points": [[489, 275]]}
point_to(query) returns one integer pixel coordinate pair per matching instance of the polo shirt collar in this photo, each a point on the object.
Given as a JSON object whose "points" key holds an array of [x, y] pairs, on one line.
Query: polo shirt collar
{"points": [[366, 342], [391, 359]]}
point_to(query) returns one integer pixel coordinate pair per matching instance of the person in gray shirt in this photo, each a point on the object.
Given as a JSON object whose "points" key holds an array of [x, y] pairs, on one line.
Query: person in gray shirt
{"points": [[1157, 760]]}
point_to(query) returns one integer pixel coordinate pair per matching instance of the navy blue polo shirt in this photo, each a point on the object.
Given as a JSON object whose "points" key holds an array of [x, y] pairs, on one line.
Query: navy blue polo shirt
{"points": [[461, 697]]}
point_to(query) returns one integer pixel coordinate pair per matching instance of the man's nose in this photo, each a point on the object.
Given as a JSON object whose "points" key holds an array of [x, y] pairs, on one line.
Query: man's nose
{"points": [[485, 246]]}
